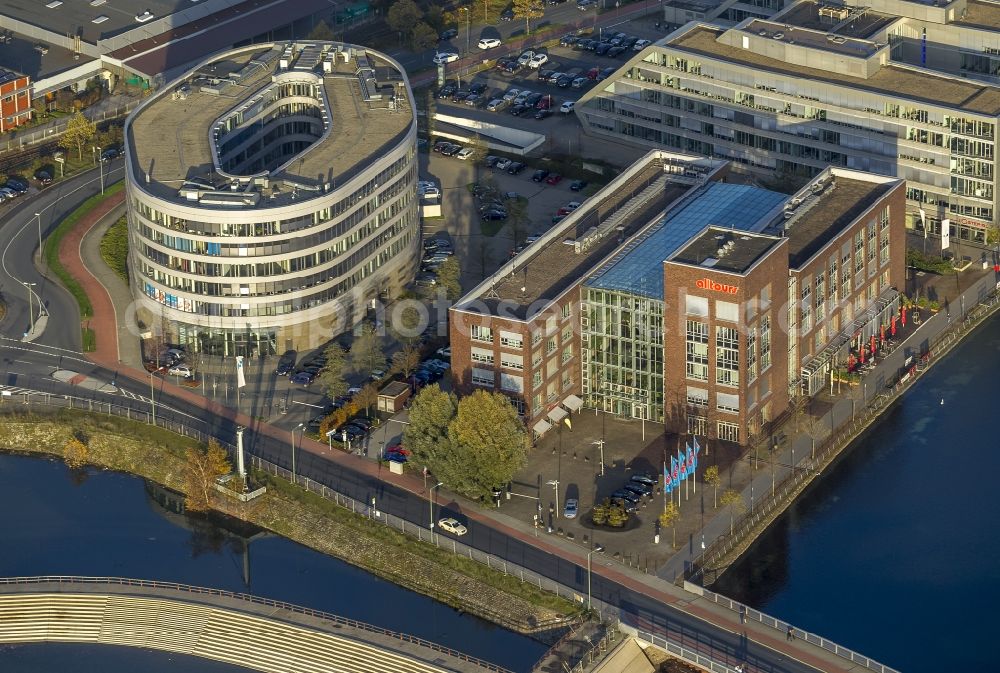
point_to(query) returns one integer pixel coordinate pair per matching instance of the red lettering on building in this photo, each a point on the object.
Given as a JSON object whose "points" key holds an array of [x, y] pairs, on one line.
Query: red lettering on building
{"points": [[708, 284]]}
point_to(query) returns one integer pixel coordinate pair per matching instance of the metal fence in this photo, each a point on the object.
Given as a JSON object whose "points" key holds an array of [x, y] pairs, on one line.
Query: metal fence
{"points": [[684, 653], [72, 582], [20, 139]]}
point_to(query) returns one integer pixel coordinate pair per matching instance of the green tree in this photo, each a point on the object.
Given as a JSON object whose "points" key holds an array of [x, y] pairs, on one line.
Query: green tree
{"points": [[600, 514], [322, 31], [488, 445], [202, 467], [734, 501], [403, 15], [517, 217], [422, 37], [79, 132], [711, 477], [617, 516], [405, 361], [449, 277], [426, 436], [992, 234], [75, 452], [331, 376], [406, 325], [367, 397], [669, 517], [528, 10], [367, 354]]}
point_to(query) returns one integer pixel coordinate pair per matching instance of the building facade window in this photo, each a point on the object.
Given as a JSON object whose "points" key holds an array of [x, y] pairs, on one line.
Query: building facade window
{"points": [[511, 384], [510, 339], [697, 350], [480, 333], [510, 361], [727, 356], [729, 432], [482, 355], [727, 403], [697, 425], [751, 354], [765, 342], [697, 397], [483, 377]]}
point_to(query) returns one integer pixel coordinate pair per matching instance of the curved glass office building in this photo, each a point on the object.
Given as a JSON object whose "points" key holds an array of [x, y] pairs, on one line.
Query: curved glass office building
{"points": [[272, 197]]}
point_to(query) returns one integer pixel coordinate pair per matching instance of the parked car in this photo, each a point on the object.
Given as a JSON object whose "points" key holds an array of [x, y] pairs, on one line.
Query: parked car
{"points": [[577, 185], [641, 44], [303, 378], [568, 40], [478, 88], [571, 507], [519, 110], [493, 215], [516, 168], [553, 179], [425, 280], [606, 73], [564, 81], [444, 352], [511, 95], [503, 164], [507, 15], [647, 479], [567, 106], [615, 52], [489, 43], [627, 505], [497, 105], [43, 176], [465, 153], [538, 60], [449, 34], [18, 184], [525, 57], [452, 526], [641, 489], [627, 495], [543, 114], [181, 370], [445, 57], [579, 83], [109, 154], [540, 175]]}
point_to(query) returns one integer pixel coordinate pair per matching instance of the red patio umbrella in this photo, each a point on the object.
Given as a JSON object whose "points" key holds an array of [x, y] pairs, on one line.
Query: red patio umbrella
{"points": [[882, 334], [861, 355], [892, 327], [902, 315], [873, 344], [851, 361]]}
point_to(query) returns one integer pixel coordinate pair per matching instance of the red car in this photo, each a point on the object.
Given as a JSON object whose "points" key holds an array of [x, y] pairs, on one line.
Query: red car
{"points": [[593, 73], [563, 212], [544, 104], [397, 448], [553, 179]]}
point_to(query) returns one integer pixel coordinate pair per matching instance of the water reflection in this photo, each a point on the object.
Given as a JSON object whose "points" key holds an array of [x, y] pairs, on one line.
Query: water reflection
{"points": [[60, 522]]}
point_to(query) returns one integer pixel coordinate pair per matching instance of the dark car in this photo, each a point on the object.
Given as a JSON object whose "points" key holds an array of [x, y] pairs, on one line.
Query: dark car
{"points": [[303, 378], [540, 175], [286, 363], [460, 95], [577, 185], [109, 154], [452, 150], [647, 479], [583, 45], [43, 176], [532, 100], [543, 114], [478, 88], [516, 168], [362, 423], [564, 81], [449, 34], [519, 110], [19, 185], [615, 52], [641, 489], [627, 505], [512, 66], [603, 48], [568, 40], [606, 73], [493, 215], [627, 495], [507, 15], [447, 90], [544, 75]]}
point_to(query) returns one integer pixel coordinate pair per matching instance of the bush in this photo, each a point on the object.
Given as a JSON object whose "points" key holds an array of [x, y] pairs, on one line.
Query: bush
{"points": [[114, 248], [928, 263]]}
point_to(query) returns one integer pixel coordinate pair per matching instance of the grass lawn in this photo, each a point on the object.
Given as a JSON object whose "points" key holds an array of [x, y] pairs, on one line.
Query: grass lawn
{"points": [[114, 248]]}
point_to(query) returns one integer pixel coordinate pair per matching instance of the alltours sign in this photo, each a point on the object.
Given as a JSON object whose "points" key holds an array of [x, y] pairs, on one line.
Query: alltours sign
{"points": [[708, 284]]}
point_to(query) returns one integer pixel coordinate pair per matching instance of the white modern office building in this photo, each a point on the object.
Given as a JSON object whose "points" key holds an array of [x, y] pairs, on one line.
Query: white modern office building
{"points": [[272, 196], [906, 89]]}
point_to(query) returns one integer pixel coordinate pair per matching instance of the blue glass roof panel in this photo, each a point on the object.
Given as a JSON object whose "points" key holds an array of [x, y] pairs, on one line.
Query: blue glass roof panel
{"points": [[639, 268]]}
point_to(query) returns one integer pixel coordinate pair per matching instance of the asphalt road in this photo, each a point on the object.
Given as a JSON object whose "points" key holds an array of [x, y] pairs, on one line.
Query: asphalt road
{"points": [[29, 365]]}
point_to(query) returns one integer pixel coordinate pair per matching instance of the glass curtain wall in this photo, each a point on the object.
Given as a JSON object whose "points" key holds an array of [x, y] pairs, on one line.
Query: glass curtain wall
{"points": [[623, 353]]}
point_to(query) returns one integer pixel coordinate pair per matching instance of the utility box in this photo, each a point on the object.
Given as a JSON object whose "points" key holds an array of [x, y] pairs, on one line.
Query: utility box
{"points": [[392, 398]]}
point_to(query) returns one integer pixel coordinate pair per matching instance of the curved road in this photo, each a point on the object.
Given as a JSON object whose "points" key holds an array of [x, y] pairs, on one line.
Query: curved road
{"points": [[29, 365]]}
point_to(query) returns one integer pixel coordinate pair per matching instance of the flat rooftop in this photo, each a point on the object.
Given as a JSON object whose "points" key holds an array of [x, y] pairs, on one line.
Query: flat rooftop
{"points": [[981, 15], [890, 79], [21, 56], [840, 203], [813, 39], [92, 20], [169, 137], [638, 269], [725, 250], [859, 22], [546, 268]]}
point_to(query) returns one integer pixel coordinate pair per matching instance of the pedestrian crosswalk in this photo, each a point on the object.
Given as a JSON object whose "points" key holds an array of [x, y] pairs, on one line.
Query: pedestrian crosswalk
{"points": [[9, 391], [133, 396]]}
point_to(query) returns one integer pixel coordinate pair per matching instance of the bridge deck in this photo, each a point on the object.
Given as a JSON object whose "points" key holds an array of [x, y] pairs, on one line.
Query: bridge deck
{"points": [[247, 631]]}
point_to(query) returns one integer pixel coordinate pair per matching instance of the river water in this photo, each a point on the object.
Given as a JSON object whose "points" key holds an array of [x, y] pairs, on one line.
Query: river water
{"points": [[61, 522], [894, 552]]}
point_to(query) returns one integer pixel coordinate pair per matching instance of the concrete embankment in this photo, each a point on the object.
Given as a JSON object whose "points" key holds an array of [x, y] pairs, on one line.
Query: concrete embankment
{"points": [[157, 455]]}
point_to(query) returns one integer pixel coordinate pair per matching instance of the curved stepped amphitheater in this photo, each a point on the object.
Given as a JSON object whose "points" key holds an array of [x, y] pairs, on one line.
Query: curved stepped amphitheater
{"points": [[241, 630]]}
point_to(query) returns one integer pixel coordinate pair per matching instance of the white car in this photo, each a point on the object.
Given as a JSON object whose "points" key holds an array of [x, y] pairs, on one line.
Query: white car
{"points": [[452, 526], [489, 43], [445, 57], [465, 153], [181, 370], [426, 184], [503, 164], [444, 352], [538, 60], [525, 57], [641, 44], [429, 192], [567, 107]]}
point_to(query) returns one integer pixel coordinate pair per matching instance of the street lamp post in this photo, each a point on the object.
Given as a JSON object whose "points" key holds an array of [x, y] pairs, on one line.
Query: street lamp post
{"points": [[100, 167], [430, 504], [300, 425], [597, 548], [152, 401], [38, 216], [31, 314], [468, 29], [554, 483], [600, 443]]}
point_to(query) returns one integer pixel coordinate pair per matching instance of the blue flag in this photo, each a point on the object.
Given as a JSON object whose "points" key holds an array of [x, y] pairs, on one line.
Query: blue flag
{"points": [[674, 472], [682, 465], [667, 481], [697, 450], [690, 460]]}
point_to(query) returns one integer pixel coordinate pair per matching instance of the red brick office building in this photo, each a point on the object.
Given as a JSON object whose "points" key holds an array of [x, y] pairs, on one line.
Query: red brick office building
{"points": [[15, 100]]}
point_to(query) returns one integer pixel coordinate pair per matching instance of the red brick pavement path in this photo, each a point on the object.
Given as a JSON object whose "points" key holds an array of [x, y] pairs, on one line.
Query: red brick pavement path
{"points": [[107, 356], [103, 322]]}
